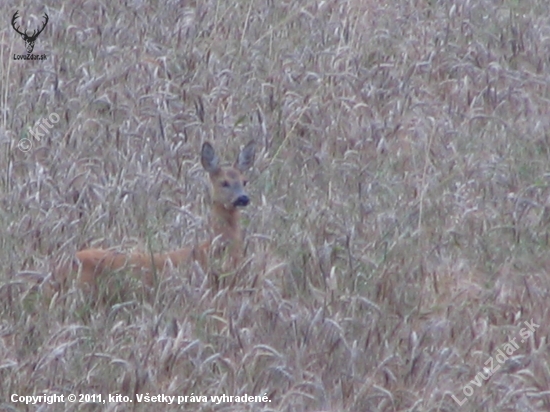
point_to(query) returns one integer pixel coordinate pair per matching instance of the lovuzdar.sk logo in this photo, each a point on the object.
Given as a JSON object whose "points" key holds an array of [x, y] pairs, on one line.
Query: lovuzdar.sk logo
{"points": [[29, 39]]}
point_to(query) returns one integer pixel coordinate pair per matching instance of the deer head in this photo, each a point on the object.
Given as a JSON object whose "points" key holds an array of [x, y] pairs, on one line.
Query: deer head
{"points": [[29, 40], [228, 182]]}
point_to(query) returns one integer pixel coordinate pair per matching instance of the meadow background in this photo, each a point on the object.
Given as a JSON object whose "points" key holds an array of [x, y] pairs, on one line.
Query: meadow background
{"points": [[398, 233]]}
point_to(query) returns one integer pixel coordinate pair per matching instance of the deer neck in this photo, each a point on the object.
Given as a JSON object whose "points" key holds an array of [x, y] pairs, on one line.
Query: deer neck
{"points": [[225, 222]]}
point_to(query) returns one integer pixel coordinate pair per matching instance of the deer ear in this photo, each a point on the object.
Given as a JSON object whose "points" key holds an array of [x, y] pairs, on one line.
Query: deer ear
{"points": [[245, 160], [209, 159]]}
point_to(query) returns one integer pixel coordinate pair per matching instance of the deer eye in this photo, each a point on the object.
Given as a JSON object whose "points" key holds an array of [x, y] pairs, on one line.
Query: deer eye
{"points": [[245, 182], [225, 183]]}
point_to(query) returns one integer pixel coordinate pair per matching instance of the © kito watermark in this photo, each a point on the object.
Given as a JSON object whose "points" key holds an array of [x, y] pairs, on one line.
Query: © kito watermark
{"points": [[501, 356], [29, 39], [43, 126]]}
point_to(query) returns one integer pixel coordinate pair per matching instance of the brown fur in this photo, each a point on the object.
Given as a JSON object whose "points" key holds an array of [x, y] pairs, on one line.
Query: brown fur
{"points": [[228, 195]]}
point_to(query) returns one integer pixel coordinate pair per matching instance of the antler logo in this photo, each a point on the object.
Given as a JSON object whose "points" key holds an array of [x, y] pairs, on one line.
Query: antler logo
{"points": [[29, 40]]}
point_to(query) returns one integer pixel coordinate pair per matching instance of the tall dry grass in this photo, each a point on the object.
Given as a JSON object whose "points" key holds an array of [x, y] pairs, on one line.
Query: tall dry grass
{"points": [[399, 230]]}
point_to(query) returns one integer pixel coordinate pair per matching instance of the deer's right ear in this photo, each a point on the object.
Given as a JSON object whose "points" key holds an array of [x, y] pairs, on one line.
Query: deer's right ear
{"points": [[209, 159]]}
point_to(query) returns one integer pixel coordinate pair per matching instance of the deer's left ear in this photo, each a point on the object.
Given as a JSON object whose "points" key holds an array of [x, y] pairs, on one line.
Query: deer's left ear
{"points": [[245, 160]]}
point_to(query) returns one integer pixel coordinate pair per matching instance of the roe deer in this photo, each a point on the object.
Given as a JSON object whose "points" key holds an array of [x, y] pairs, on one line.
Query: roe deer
{"points": [[228, 195]]}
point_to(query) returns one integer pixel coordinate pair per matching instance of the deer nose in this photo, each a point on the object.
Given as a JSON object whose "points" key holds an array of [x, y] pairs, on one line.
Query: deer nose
{"points": [[242, 200]]}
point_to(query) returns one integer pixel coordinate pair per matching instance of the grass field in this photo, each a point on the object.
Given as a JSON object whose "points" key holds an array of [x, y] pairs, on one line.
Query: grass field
{"points": [[398, 235]]}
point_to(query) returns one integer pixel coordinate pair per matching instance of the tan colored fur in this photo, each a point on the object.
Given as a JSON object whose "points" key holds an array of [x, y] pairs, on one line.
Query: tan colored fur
{"points": [[228, 195]]}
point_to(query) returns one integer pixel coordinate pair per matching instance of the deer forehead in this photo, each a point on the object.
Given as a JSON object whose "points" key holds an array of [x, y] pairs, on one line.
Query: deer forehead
{"points": [[233, 174], [230, 174]]}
